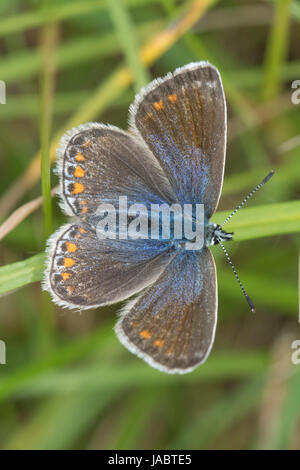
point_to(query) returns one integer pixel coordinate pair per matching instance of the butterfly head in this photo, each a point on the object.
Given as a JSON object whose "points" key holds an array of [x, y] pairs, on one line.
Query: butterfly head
{"points": [[215, 234]]}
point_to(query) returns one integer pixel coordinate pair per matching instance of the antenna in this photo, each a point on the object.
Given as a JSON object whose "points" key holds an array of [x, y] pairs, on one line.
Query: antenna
{"points": [[264, 181], [250, 303]]}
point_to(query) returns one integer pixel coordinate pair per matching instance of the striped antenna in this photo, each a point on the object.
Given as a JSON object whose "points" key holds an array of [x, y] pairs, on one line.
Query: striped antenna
{"points": [[250, 303], [264, 181]]}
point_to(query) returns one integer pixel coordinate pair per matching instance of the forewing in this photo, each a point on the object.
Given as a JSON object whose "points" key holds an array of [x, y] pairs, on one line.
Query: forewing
{"points": [[86, 272], [182, 118], [172, 325], [98, 163]]}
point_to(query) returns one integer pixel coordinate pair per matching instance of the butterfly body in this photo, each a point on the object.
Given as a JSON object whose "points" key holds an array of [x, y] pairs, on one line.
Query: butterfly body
{"points": [[173, 154]]}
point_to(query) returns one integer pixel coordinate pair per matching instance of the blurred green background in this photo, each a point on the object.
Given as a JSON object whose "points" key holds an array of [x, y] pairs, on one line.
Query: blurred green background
{"points": [[68, 383]]}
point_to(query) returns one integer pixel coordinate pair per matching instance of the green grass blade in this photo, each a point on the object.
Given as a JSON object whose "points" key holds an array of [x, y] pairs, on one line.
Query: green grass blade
{"points": [[21, 273], [263, 221], [42, 381], [128, 42], [253, 77], [139, 409], [269, 293], [295, 9], [49, 39], [27, 106], [287, 431], [58, 12], [52, 425], [99, 340], [209, 424], [73, 52], [276, 49]]}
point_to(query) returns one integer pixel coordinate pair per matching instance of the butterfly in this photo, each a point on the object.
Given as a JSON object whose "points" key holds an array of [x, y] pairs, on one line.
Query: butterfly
{"points": [[174, 152]]}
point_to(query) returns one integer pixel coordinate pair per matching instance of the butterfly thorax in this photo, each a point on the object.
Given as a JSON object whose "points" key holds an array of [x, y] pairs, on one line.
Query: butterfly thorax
{"points": [[214, 234]]}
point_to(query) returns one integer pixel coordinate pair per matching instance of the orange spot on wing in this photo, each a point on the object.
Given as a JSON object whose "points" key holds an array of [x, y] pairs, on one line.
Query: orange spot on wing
{"points": [[78, 188], [172, 98], [79, 157], [79, 172], [158, 105], [70, 289], [71, 247], [65, 276], [69, 262], [84, 209], [159, 343], [81, 230], [145, 334], [170, 351], [148, 116]]}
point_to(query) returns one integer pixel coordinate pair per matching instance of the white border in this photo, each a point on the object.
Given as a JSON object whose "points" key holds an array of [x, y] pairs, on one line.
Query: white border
{"points": [[123, 338], [50, 250], [60, 151], [158, 81], [46, 284]]}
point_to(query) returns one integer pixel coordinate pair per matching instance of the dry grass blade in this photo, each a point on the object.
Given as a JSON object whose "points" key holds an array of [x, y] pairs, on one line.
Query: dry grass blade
{"points": [[21, 213], [275, 390]]}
